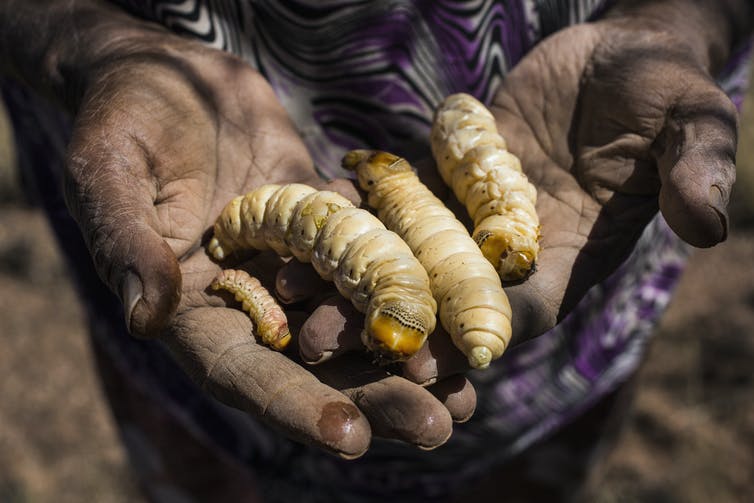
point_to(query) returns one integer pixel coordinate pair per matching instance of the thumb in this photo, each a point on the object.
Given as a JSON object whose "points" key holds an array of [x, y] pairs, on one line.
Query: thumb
{"points": [[109, 195], [696, 164]]}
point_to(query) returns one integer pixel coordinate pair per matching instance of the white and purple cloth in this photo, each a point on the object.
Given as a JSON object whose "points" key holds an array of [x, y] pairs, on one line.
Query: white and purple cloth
{"points": [[368, 74]]}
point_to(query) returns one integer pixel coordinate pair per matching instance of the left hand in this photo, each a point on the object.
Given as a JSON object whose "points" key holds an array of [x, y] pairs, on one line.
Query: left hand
{"points": [[629, 123], [612, 121]]}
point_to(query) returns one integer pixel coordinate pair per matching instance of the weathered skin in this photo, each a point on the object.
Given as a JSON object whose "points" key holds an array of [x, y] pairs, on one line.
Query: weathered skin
{"points": [[613, 120], [153, 161]]}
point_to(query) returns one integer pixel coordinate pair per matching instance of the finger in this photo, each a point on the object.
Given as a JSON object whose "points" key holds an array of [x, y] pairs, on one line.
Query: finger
{"points": [[457, 394], [334, 328], [265, 266], [297, 281], [396, 408], [111, 198], [437, 359], [697, 164], [215, 347]]}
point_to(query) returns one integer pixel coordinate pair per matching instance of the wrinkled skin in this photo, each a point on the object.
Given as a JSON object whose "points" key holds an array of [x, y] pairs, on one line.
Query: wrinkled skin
{"points": [[612, 121], [162, 141], [606, 129], [609, 134]]}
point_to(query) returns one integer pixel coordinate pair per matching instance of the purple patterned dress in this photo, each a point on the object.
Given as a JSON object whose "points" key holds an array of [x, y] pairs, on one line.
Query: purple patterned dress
{"points": [[356, 74]]}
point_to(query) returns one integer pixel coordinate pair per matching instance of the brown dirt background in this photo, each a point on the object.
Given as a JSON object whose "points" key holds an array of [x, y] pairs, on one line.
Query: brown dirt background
{"points": [[688, 438]]}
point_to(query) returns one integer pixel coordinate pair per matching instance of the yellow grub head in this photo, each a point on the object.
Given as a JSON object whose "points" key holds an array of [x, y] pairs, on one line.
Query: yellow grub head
{"points": [[516, 266], [512, 265], [396, 331], [492, 246], [281, 340], [372, 166]]}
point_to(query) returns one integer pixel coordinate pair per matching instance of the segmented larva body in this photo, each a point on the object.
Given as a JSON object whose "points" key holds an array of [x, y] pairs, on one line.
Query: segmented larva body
{"points": [[268, 317], [473, 159], [472, 304], [370, 265]]}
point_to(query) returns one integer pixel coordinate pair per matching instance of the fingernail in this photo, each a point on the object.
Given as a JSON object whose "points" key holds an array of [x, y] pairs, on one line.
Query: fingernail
{"points": [[131, 292], [716, 199], [428, 382], [283, 298], [322, 357], [719, 204], [435, 435]]}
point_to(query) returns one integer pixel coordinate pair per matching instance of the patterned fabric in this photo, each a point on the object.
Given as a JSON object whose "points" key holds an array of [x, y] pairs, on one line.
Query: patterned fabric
{"points": [[173, 464], [355, 73], [352, 74]]}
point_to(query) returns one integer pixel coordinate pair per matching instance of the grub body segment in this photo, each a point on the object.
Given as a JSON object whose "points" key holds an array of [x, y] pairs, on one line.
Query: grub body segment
{"points": [[473, 160], [270, 322], [370, 265]]}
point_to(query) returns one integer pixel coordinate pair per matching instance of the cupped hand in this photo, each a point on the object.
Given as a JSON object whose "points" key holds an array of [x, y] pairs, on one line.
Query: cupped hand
{"points": [[612, 121], [166, 134]]}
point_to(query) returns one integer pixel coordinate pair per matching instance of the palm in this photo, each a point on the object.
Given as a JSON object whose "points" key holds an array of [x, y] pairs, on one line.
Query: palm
{"points": [[214, 143], [610, 122], [152, 163], [597, 132]]}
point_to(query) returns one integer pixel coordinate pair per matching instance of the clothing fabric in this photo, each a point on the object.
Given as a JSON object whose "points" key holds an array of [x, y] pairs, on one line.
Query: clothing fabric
{"points": [[357, 74], [354, 73]]}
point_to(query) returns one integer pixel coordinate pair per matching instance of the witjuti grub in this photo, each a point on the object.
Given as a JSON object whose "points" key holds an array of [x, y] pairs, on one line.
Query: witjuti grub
{"points": [[473, 160], [370, 265], [472, 304], [270, 322]]}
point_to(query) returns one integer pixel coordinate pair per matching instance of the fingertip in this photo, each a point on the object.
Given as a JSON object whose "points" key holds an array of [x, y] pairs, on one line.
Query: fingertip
{"points": [[310, 347], [458, 395], [435, 360], [395, 407], [697, 213], [436, 430], [421, 368], [696, 164], [315, 414], [408, 413], [344, 430], [333, 328], [296, 281]]}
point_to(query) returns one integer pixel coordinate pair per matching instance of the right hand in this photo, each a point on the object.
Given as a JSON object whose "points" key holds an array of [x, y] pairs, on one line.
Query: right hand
{"points": [[165, 135]]}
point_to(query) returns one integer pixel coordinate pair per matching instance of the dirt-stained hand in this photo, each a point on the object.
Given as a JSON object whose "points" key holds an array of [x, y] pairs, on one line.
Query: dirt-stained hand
{"points": [[167, 133], [612, 121]]}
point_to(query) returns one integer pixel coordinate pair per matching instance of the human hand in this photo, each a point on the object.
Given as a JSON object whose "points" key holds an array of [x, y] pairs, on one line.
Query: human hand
{"points": [[166, 134], [612, 121]]}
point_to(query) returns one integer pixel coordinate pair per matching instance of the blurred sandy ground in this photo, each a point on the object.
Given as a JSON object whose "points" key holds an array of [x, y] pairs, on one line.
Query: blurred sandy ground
{"points": [[57, 441], [689, 438]]}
